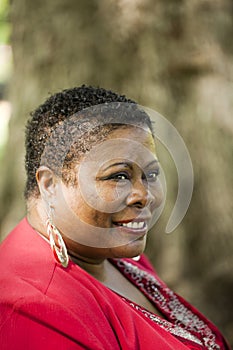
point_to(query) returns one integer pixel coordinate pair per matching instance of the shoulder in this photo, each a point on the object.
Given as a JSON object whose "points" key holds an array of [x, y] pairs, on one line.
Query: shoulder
{"points": [[37, 296], [25, 262]]}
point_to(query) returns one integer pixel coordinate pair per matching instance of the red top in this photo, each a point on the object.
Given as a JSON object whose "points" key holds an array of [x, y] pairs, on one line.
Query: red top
{"points": [[46, 306]]}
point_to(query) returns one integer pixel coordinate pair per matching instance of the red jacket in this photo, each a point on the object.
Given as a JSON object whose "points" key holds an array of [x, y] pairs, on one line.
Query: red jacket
{"points": [[46, 306]]}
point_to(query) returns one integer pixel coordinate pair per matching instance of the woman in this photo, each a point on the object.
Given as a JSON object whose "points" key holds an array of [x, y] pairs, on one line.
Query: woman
{"points": [[73, 275]]}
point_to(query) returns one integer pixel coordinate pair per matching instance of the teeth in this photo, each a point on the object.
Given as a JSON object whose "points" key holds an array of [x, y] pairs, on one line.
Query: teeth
{"points": [[134, 225]]}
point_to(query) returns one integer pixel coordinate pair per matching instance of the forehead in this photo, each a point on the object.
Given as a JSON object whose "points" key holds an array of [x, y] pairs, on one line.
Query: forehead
{"points": [[131, 144], [141, 135]]}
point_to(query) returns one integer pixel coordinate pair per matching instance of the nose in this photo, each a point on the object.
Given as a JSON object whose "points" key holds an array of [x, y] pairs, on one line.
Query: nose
{"points": [[140, 195]]}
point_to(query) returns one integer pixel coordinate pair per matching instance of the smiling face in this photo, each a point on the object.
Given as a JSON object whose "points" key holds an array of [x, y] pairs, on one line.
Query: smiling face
{"points": [[108, 213]]}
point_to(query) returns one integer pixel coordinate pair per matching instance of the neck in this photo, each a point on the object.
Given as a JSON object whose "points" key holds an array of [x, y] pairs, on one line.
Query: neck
{"points": [[96, 268], [37, 216]]}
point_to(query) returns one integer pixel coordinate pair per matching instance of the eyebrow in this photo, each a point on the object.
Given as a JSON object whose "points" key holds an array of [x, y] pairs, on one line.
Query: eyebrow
{"points": [[128, 164], [119, 163], [155, 161]]}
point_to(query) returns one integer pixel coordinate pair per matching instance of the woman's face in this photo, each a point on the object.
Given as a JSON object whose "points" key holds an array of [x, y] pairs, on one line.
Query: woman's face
{"points": [[108, 213]]}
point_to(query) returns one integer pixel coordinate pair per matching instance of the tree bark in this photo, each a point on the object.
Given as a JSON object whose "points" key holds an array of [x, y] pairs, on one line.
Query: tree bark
{"points": [[173, 56]]}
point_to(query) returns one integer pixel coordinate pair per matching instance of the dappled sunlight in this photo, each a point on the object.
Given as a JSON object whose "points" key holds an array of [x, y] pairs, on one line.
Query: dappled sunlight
{"points": [[5, 112]]}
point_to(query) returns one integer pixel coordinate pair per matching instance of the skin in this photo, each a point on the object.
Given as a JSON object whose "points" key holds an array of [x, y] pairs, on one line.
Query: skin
{"points": [[127, 181]]}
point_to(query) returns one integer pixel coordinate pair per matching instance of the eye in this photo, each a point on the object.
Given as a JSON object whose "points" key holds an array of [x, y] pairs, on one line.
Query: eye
{"points": [[119, 176], [152, 175]]}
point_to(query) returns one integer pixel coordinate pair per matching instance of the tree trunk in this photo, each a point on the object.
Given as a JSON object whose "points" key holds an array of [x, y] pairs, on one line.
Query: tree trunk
{"points": [[173, 56]]}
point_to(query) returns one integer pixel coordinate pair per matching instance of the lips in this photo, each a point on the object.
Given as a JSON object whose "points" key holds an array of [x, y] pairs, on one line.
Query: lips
{"points": [[133, 225]]}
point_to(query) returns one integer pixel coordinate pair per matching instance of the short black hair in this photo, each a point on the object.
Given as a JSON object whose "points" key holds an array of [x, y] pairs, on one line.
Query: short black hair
{"points": [[64, 105]]}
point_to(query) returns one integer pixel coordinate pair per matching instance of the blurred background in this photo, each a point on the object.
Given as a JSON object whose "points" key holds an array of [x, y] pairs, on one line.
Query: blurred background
{"points": [[174, 56]]}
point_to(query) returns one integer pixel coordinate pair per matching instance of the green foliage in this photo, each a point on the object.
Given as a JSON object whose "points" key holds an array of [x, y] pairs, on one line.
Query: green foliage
{"points": [[5, 67], [5, 27]]}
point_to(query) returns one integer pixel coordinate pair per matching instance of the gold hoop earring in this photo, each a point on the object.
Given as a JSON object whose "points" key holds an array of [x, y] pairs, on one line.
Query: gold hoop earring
{"points": [[57, 244]]}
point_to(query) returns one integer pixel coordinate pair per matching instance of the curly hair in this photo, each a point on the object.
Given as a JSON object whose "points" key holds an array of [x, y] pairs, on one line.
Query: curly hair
{"points": [[69, 123]]}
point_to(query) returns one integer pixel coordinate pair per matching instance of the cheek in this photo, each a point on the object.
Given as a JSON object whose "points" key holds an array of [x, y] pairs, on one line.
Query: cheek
{"points": [[106, 192], [87, 209], [75, 202], [100, 219]]}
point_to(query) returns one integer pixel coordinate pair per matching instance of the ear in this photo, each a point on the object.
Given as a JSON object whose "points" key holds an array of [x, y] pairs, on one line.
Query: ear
{"points": [[47, 182]]}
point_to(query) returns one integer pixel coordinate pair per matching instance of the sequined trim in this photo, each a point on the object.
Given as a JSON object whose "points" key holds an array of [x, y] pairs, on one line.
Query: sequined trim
{"points": [[184, 320], [173, 329]]}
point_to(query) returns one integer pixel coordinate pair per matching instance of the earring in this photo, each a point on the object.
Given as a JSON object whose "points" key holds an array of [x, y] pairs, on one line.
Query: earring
{"points": [[57, 244]]}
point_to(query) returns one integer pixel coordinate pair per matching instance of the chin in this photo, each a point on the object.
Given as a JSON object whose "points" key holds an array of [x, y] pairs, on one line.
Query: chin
{"points": [[130, 250]]}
